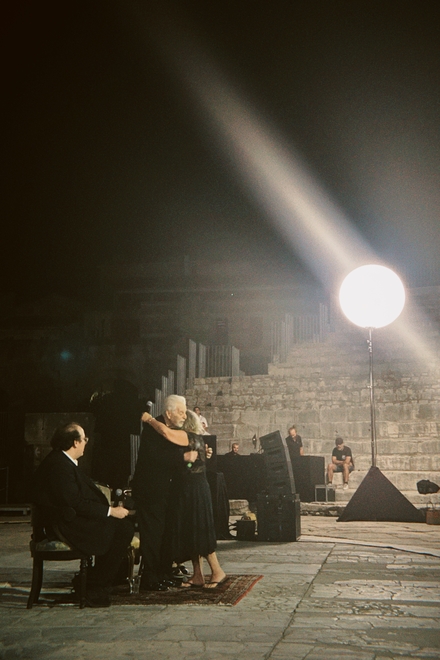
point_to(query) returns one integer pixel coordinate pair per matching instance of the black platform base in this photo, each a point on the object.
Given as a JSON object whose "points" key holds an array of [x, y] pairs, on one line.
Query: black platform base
{"points": [[378, 499]]}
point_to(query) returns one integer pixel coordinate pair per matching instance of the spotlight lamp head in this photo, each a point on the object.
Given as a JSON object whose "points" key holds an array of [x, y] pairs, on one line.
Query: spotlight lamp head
{"points": [[372, 296]]}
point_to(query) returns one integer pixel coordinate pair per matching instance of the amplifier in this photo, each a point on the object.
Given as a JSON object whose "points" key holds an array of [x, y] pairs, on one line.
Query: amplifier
{"points": [[278, 517], [325, 493]]}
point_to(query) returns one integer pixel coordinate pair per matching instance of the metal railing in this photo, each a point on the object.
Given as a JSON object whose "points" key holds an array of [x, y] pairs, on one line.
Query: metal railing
{"points": [[202, 362], [303, 328]]}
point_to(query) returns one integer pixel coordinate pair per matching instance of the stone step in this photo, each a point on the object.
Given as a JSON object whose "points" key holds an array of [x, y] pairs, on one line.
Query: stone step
{"points": [[404, 481], [419, 501], [393, 462]]}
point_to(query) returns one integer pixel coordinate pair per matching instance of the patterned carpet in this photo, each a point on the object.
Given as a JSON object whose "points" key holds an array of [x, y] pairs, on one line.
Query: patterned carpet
{"points": [[230, 592]]}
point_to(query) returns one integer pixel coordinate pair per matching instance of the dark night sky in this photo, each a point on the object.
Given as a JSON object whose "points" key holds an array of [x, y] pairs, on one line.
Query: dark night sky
{"points": [[105, 158]]}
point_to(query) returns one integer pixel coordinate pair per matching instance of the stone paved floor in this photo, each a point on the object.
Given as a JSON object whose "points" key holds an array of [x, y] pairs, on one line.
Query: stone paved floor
{"points": [[344, 591]]}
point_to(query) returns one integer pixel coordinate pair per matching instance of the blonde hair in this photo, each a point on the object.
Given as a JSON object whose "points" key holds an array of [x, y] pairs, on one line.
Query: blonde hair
{"points": [[192, 423]]}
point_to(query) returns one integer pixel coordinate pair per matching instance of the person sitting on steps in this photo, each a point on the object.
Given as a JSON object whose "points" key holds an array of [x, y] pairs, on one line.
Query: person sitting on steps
{"points": [[342, 461]]}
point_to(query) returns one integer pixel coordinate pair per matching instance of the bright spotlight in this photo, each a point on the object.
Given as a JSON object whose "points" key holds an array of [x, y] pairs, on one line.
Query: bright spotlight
{"points": [[372, 296]]}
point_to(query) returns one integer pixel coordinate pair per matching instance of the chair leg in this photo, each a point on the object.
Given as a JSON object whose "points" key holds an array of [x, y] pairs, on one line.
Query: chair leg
{"points": [[131, 561], [83, 566], [37, 581]]}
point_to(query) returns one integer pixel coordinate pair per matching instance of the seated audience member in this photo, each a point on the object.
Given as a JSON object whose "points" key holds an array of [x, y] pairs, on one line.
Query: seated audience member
{"points": [[73, 505], [234, 450], [294, 444], [202, 419], [235, 475], [342, 461]]}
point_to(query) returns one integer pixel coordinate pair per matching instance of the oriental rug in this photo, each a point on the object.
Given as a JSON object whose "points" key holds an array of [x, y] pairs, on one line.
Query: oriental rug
{"points": [[230, 592]]}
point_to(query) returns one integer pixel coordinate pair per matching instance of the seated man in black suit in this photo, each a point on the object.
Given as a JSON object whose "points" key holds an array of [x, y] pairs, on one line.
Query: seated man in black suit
{"points": [[71, 502]]}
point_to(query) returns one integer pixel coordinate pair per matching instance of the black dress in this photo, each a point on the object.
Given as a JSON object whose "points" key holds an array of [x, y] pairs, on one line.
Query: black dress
{"points": [[193, 529]]}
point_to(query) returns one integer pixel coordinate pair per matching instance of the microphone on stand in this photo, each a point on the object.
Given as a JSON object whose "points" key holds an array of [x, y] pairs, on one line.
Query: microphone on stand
{"points": [[148, 409], [118, 497]]}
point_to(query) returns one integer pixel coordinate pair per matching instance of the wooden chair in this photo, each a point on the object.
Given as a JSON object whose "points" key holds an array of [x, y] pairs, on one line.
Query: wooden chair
{"points": [[133, 550], [59, 550], [43, 550]]}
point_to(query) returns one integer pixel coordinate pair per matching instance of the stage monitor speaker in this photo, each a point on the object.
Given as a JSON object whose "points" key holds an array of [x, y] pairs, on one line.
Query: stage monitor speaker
{"points": [[324, 493], [278, 518], [279, 473]]}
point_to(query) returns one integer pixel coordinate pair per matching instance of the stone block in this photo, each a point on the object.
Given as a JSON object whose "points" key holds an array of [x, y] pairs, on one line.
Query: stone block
{"points": [[429, 446], [358, 430], [329, 431], [412, 429], [222, 430], [422, 462], [398, 446], [362, 462], [309, 430], [394, 462], [334, 415], [425, 411], [244, 432], [358, 414], [392, 429]]}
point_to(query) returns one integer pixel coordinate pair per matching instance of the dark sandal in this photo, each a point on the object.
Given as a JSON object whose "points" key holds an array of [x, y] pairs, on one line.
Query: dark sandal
{"points": [[216, 584]]}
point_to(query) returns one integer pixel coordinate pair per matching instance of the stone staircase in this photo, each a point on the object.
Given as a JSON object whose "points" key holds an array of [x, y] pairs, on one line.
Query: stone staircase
{"points": [[404, 482], [323, 389]]}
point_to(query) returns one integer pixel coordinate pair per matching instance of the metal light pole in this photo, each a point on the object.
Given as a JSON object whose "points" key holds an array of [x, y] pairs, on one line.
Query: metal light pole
{"points": [[372, 297], [372, 409]]}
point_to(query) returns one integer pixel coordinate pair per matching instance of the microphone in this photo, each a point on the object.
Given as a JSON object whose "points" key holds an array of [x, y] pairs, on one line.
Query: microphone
{"points": [[149, 406], [118, 495]]}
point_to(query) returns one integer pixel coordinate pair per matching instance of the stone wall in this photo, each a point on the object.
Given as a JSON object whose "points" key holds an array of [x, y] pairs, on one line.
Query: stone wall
{"points": [[323, 390]]}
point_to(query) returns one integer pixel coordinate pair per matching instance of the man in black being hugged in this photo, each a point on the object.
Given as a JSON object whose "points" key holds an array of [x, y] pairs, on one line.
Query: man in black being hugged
{"points": [[158, 462]]}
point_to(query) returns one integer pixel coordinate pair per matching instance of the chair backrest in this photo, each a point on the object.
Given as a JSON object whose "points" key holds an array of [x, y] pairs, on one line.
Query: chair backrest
{"points": [[105, 489], [39, 530], [46, 538]]}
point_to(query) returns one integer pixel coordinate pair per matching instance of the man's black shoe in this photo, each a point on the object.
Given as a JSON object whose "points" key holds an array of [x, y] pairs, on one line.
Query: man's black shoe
{"points": [[180, 570], [97, 602], [154, 586], [97, 597], [172, 583]]}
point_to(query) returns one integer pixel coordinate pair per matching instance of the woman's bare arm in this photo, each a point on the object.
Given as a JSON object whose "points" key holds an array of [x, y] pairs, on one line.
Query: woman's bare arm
{"points": [[175, 436]]}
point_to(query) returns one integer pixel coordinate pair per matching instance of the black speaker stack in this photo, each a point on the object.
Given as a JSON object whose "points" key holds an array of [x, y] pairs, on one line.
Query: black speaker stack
{"points": [[279, 518], [278, 508]]}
